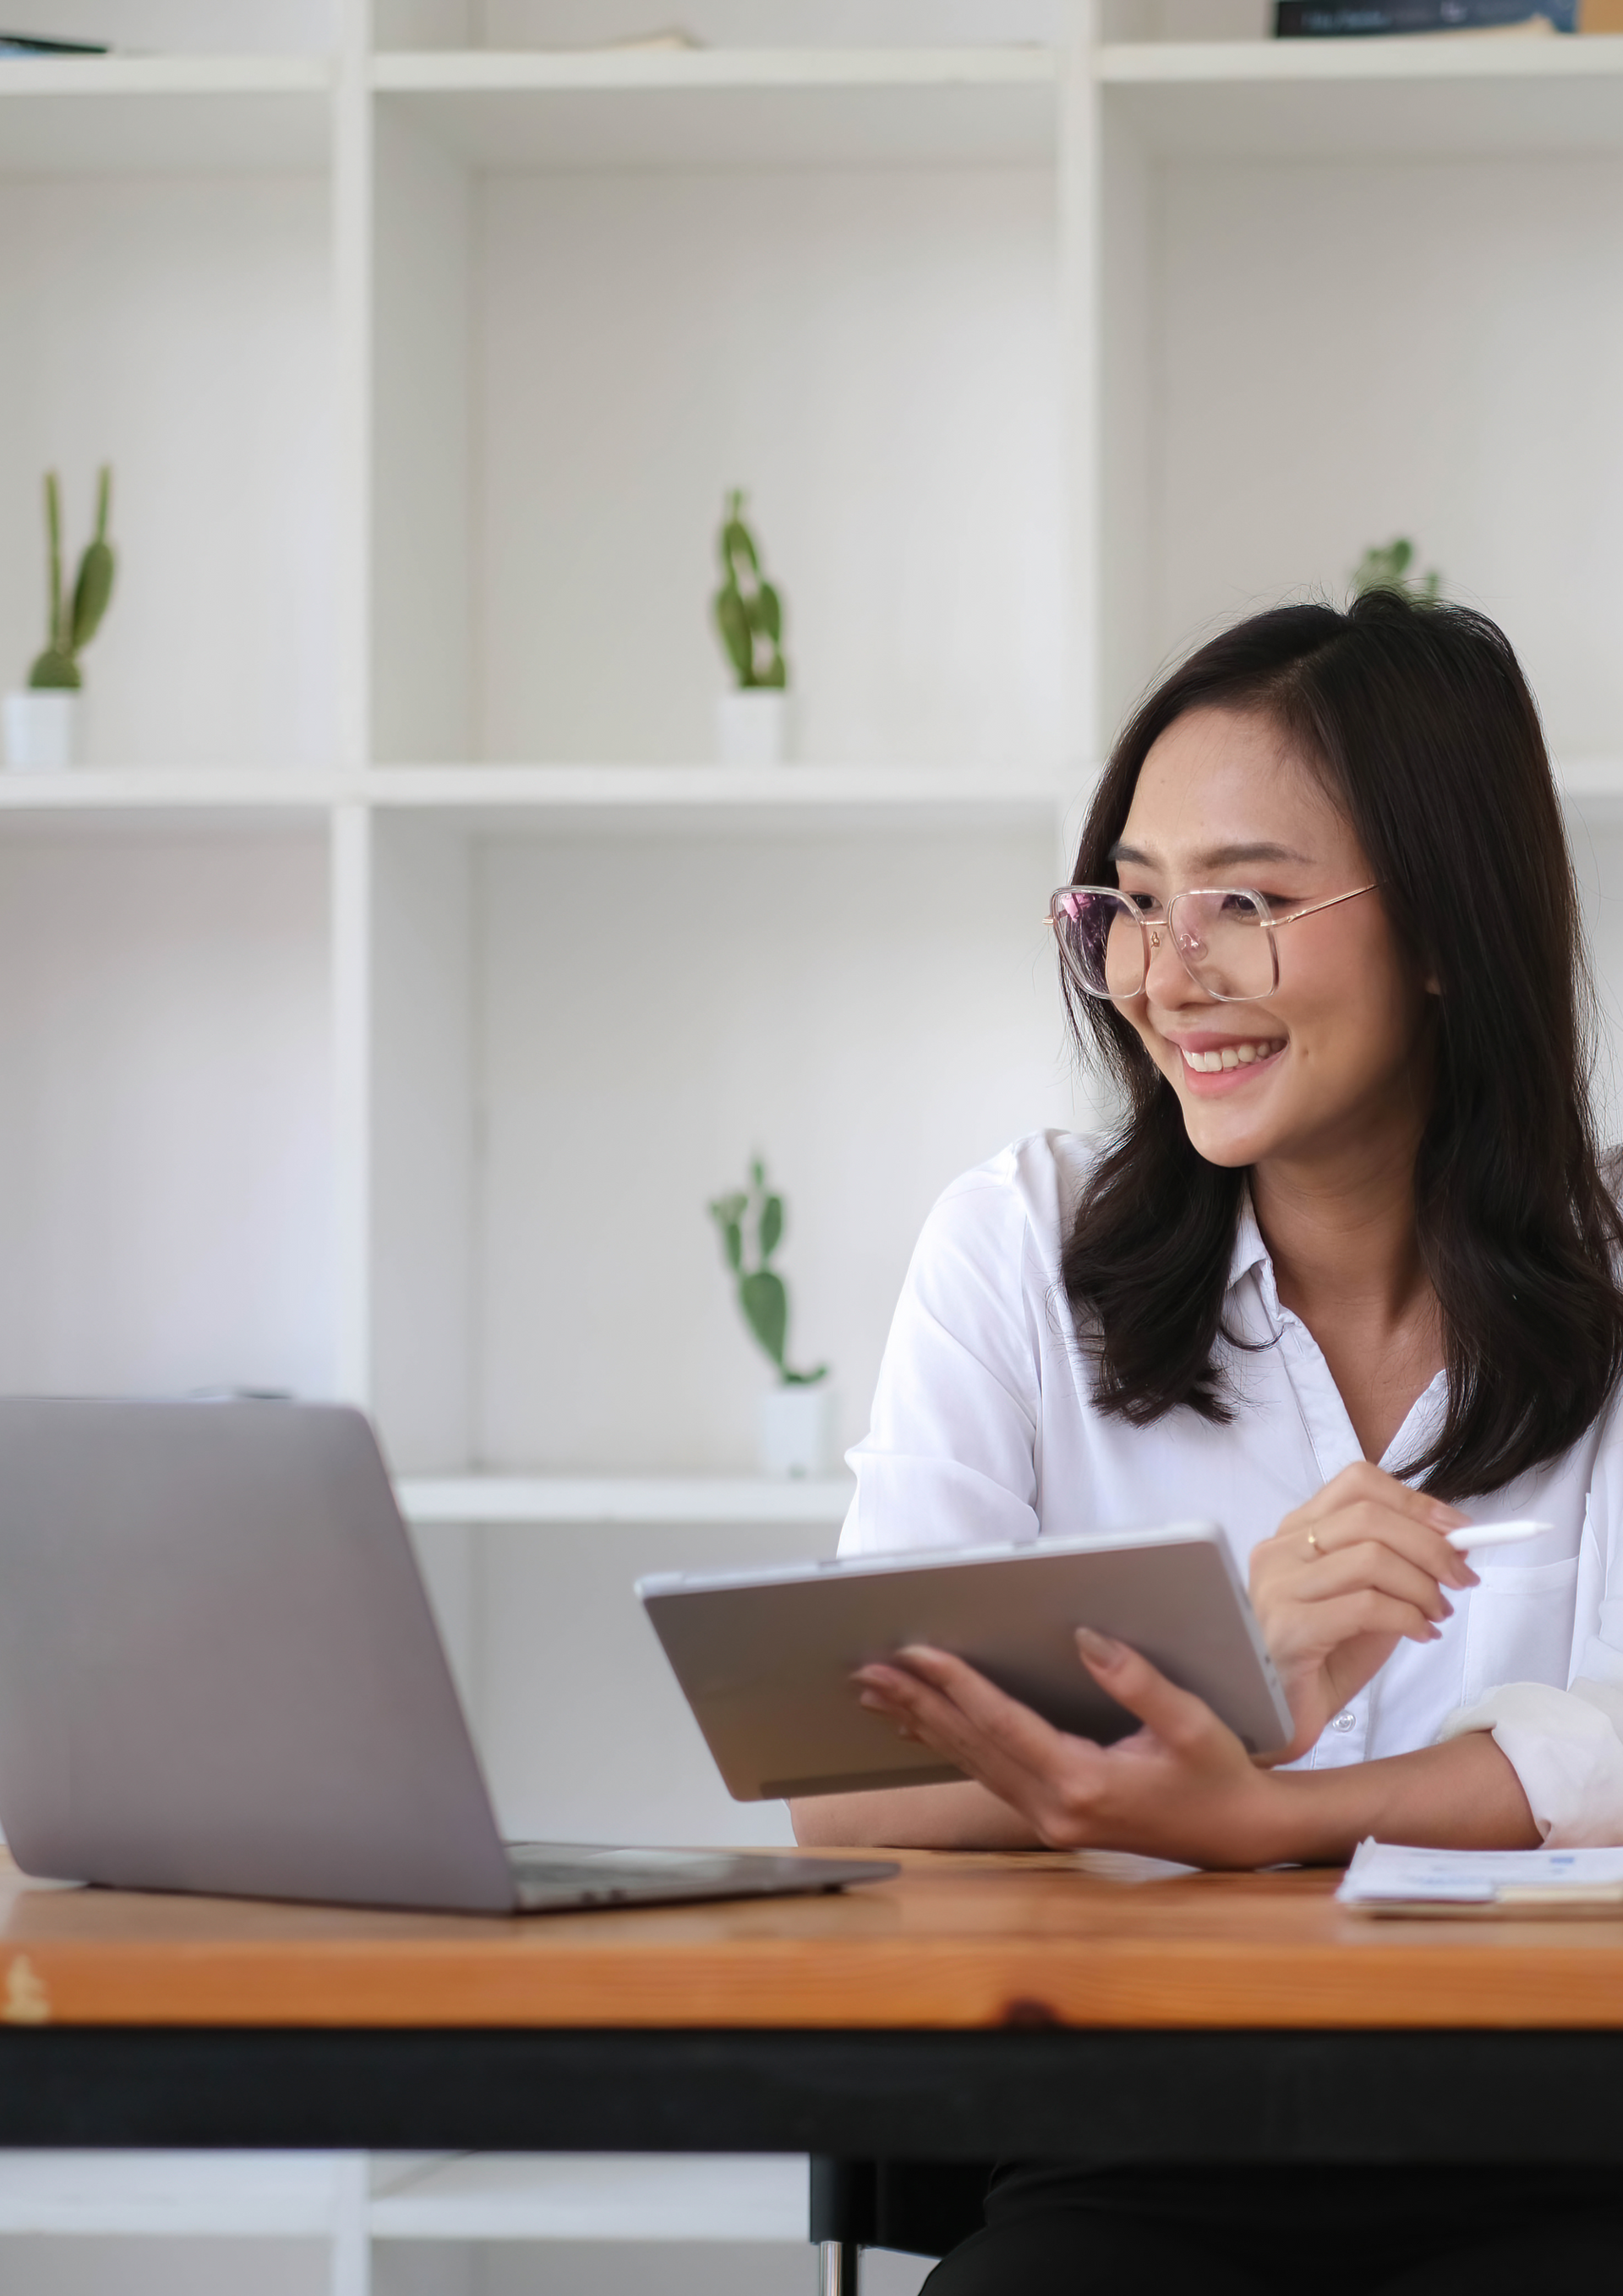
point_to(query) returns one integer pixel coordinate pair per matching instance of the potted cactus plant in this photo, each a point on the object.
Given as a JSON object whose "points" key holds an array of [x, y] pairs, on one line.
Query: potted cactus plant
{"points": [[41, 723], [753, 722], [1385, 566], [794, 1419]]}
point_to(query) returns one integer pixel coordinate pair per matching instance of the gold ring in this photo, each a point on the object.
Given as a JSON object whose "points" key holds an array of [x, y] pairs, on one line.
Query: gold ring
{"points": [[1314, 1544]]}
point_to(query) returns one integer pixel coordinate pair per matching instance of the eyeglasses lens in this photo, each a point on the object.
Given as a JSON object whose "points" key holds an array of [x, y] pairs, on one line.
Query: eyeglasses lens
{"points": [[1103, 941], [1225, 945]]}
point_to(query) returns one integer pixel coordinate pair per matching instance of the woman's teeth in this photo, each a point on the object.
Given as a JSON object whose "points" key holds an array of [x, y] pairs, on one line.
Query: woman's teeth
{"points": [[1230, 1056]]}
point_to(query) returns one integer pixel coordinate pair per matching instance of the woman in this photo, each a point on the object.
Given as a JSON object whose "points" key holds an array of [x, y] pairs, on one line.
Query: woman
{"points": [[1344, 1280]]}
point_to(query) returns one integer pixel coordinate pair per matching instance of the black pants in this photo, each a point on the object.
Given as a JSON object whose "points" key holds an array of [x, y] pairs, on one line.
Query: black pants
{"points": [[1054, 2230]]}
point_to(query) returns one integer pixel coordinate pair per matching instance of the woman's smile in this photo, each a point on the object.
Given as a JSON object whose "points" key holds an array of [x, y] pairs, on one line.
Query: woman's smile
{"points": [[1213, 1064]]}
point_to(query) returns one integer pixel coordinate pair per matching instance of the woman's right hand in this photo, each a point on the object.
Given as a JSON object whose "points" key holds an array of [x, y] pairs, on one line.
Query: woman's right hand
{"points": [[1362, 1567]]}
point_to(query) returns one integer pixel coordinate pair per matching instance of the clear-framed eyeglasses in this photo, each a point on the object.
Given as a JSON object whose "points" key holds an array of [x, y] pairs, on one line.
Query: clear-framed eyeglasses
{"points": [[1224, 937]]}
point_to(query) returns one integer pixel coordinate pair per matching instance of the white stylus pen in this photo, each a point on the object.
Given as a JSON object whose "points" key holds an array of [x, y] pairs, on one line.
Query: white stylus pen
{"points": [[1473, 1535]]}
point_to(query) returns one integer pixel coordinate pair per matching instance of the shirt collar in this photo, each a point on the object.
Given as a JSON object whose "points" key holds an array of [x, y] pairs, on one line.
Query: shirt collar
{"points": [[1249, 1254]]}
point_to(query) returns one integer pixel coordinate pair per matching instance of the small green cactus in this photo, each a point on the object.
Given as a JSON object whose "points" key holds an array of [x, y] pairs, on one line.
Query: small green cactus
{"points": [[74, 623], [761, 1293], [749, 612], [1385, 566]]}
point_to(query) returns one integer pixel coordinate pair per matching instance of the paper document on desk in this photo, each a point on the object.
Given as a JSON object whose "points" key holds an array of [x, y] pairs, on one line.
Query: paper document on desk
{"points": [[1386, 1879]]}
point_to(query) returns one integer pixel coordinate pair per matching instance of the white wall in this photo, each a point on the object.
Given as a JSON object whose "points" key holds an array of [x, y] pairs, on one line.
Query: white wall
{"points": [[1597, 856]]}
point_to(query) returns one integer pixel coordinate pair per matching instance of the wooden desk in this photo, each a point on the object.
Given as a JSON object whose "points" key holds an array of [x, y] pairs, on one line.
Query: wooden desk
{"points": [[979, 2004]]}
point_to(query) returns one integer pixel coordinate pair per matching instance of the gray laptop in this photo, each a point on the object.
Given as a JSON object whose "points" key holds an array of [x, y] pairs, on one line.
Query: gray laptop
{"points": [[219, 1672]]}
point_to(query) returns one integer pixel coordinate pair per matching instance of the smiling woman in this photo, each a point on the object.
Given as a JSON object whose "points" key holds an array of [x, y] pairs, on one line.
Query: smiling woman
{"points": [[1347, 1271], [1442, 1025]]}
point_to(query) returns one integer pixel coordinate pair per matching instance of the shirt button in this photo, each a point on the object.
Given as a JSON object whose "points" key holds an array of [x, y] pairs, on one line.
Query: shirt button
{"points": [[1345, 1720]]}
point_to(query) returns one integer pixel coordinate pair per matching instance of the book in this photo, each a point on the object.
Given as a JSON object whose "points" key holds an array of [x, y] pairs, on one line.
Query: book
{"points": [[1384, 1878], [1347, 20]]}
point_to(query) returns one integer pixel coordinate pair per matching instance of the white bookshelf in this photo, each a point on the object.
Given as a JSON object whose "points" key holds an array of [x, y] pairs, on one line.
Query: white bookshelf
{"points": [[1413, 98], [587, 2196], [423, 349], [401, 726], [567, 799], [844, 108], [353, 2202], [625, 1499], [381, 1004], [203, 115]]}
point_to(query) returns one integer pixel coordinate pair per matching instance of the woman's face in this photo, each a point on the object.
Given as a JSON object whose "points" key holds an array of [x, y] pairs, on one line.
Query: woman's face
{"points": [[1331, 1060]]}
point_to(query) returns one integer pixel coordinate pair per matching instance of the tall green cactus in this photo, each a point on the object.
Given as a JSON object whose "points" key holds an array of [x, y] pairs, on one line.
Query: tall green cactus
{"points": [[1385, 566], [761, 1291], [749, 612], [73, 623]]}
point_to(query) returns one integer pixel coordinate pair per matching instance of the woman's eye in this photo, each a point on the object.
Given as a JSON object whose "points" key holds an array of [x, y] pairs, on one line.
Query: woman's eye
{"points": [[1144, 902]]}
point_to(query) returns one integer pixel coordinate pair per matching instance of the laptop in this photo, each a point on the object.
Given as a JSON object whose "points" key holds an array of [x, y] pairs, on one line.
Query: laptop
{"points": [[219, 1672]]}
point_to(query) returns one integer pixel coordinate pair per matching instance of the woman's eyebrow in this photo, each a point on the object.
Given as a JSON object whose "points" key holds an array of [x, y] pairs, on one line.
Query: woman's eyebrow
{"points": [[1216, 857]]}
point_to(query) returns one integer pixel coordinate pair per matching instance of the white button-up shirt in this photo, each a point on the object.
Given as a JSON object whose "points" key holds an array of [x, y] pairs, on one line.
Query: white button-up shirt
{"points": [[984, 1430]]}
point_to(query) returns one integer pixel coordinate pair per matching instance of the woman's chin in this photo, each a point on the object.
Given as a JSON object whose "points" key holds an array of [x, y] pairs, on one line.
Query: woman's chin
{"points": [[1223, 1136]]}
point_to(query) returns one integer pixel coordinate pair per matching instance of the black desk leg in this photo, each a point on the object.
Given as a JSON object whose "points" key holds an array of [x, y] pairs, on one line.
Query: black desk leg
{"points": [[844, 2198], [837, 2274]]}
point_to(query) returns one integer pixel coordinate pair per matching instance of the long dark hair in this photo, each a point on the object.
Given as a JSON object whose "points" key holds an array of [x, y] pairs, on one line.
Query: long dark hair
{"points": [[1420, 725]]}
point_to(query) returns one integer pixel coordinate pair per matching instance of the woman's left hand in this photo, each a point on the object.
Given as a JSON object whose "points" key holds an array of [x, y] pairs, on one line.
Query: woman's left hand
{"points": [[1183, 1786]]}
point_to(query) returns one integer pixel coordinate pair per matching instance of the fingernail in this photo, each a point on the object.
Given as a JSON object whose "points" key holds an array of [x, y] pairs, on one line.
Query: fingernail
{"points": [[874, 1703], [1447, 1517], [1103, 1650]]}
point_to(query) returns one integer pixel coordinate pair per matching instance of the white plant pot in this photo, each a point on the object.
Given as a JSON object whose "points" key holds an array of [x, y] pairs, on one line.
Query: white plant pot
{"points": [[794, 1433], [41, 730], [755, 727]]}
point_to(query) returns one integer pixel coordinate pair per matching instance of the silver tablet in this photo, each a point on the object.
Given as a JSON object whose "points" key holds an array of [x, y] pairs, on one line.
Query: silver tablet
{"points": [[766, 1656]]}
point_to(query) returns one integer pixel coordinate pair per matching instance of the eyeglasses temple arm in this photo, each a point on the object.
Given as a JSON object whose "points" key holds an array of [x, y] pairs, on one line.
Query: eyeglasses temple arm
{"points": [[1334, 902]]}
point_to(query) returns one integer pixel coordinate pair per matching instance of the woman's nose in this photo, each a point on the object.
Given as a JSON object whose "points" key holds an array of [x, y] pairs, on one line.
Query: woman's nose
{"points": [[1166, 981]]}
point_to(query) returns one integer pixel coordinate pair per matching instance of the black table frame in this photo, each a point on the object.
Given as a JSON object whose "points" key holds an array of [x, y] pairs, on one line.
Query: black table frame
{"points": [[1362, 2098]]}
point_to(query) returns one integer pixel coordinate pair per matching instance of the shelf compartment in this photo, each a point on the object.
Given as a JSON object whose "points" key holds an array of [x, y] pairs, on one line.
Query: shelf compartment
{"points": [[622, 1498], [819, 108], [1339, 99], [167, 115]]}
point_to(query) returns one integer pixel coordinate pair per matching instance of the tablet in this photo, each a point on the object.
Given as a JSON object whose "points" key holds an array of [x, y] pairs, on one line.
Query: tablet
{"points": [[766, 1656]]}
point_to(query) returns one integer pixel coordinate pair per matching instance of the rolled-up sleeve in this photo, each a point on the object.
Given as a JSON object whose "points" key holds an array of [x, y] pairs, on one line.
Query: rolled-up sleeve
{"points": [[950, 1458], [1566, 1745]]}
